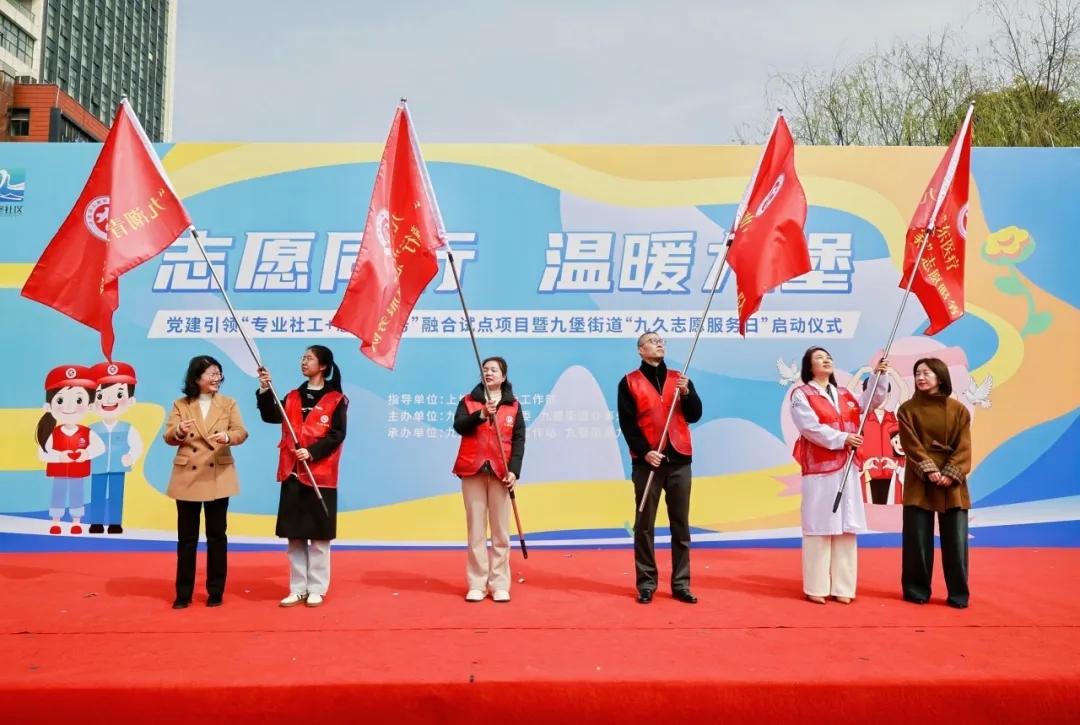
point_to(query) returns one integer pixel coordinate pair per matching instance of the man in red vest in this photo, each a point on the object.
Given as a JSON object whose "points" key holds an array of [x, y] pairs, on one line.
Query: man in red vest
{"points": [[645, 398]]}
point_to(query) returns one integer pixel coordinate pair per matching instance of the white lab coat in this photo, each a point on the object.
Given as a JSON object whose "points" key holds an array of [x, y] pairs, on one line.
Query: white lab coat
{"points": [[819, 491]]}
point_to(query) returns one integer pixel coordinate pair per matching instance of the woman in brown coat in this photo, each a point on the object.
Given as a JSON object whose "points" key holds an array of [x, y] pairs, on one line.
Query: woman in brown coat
{"points": [[935, 433], [203, 425]]}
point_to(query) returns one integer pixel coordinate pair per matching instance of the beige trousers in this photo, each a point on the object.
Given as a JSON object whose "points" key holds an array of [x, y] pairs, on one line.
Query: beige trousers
{"points": [[487, 503], [829, 565]]}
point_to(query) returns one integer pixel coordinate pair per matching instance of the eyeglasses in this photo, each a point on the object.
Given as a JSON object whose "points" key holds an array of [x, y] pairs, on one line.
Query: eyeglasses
{"points": [[654, 341]]}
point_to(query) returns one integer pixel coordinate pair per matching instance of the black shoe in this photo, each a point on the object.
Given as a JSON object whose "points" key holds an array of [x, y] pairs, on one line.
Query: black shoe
{"points": [[955, 604], [644, 596], [181, 604], [213, 602], [914, 600], [684, 595], [97, 529], [116, 529]]}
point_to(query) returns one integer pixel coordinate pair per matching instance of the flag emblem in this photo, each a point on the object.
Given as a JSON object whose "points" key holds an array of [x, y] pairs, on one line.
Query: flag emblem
{"points": [[771, 195], [382, 230], [96, 217]]}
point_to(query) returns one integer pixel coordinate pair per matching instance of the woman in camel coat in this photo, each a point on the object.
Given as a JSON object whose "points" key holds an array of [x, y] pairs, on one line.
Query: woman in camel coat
{"points": [[204, 426]]}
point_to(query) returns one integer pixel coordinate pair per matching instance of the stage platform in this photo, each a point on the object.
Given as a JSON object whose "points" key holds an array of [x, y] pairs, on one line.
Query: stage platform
{"points": [[91, 638]]}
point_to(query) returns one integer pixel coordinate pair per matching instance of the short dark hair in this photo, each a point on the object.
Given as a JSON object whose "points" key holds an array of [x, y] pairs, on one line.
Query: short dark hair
{"points": [[199, 365], [642, 336], [808, 366], [938, 368]]}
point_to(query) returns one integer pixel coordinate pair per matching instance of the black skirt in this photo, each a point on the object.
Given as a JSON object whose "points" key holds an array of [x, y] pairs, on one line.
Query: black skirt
{"points": [[301, 516]]}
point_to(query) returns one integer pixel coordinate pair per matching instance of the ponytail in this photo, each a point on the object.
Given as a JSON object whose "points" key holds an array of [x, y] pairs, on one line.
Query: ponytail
{"points": [[334, 381], [45, 428]]}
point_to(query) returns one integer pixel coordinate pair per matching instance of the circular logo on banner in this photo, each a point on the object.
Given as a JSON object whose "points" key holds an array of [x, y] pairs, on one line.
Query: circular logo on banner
{"points": [[69, 373], [112, 369], [96, 217], [770, 196], [962, 223], [382, 230], [324, 419]]}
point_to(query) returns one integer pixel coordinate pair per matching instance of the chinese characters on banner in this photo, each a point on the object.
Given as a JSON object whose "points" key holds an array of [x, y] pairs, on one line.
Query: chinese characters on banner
{"points": [[656, 263], [510, 324], [659, 263]]}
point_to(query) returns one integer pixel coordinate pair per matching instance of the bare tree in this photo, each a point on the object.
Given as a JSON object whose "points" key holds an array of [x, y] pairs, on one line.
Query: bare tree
{"points": [[1027, 90], [1038, 43]]}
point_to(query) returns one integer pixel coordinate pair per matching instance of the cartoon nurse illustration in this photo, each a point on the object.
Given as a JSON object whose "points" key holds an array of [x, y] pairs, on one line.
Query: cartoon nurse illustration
{"points": [[123, 445], [875, 457], [896, 465], [65, 446]]}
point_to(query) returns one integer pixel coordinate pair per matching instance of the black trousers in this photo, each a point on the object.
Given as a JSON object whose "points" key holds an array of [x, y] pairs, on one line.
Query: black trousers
{"points": [[674, 481], [918, 554], [187, 545]]}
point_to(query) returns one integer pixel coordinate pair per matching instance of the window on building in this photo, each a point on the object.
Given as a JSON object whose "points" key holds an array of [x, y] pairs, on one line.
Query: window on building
{"points": [[19, 125], [70, 133]]}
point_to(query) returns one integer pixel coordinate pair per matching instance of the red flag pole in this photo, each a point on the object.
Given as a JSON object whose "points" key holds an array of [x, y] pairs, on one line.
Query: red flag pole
{"points": [[708, 303], [465, 310], [947, 182], [260, 366]]}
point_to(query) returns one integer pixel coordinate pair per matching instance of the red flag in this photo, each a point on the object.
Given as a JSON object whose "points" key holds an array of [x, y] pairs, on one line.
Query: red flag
{"points": [[397, 255], [770, 246], [127, 213], [939, 283]]}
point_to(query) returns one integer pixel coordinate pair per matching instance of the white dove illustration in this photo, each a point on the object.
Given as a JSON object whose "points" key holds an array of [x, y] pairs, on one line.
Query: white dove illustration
{"points": [[979, 395], [788, 375]]}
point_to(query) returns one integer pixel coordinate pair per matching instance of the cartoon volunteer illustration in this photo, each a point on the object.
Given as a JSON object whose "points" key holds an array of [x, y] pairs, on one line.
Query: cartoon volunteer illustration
{"points": [[123, 445], [65, 446], [876, 458]]}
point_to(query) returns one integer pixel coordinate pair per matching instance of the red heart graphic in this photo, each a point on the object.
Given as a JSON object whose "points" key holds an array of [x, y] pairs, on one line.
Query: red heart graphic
{"points": [[73, 454]]}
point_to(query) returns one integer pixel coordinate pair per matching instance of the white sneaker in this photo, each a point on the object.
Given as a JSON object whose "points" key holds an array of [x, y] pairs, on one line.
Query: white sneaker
{"points": [[501, 595], [314, 600], [293, 599], [474, 595]]}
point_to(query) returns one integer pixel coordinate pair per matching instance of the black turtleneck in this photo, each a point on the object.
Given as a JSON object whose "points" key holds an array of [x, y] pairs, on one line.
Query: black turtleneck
{"points": [[635, 439]]}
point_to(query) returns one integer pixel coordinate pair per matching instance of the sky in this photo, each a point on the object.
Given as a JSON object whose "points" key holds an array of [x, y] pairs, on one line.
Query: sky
{"points": [[517, 71]]}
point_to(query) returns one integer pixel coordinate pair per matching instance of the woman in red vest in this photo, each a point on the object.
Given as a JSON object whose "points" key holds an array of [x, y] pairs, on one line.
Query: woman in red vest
{"points": [[317, 411], [827, 418], [492, 429]]}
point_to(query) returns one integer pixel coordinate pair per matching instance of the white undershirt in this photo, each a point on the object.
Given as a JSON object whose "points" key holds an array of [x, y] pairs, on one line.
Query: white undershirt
{"points": [[204, 404]]}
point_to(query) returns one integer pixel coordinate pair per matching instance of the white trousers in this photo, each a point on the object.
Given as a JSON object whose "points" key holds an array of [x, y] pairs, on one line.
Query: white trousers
{"points": [[487, 503], [309, 566], [830, 565]]}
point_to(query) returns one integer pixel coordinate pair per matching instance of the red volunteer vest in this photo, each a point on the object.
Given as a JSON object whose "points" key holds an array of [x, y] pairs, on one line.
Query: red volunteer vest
{"points": [[68, 445], [308, 431], [481, 446], [652, 412], [813, 458]]}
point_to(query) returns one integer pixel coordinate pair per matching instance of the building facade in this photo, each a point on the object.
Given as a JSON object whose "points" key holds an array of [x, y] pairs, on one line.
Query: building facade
{"points": [[93, 52]]}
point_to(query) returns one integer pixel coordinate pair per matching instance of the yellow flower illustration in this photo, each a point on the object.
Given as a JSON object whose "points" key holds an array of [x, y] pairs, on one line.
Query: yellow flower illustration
{"points": [[1007, 248], [1008, 244]]}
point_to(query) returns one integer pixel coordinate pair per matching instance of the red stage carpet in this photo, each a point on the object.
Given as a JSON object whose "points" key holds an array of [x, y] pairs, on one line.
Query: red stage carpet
{"points": [[89, 638]]}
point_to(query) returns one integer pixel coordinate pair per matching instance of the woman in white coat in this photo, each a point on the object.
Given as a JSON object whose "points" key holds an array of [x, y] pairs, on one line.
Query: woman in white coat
{"points": [[827, 418]]}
